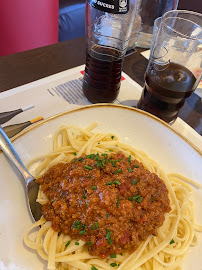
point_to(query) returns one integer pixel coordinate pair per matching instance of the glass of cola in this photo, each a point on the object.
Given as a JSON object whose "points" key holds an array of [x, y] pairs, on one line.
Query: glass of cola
{"points": [[175, 65]]}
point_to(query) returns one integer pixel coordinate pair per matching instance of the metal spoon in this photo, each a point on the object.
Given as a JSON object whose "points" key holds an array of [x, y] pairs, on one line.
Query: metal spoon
{"points": [[31, 187]]}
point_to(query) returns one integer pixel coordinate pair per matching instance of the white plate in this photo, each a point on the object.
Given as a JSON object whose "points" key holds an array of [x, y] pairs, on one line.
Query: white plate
{"points": [[144, 131]]}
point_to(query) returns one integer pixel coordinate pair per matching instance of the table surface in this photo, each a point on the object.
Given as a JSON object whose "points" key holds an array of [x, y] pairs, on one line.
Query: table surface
{"points": [[28, 66]]}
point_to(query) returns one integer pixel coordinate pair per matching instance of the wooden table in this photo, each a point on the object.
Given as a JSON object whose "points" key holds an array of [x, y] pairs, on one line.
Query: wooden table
{"points": [[28, 66]]}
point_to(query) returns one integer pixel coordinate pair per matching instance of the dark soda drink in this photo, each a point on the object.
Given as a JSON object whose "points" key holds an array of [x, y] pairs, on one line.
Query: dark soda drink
{"points": [[102, 77], [165, 90]]}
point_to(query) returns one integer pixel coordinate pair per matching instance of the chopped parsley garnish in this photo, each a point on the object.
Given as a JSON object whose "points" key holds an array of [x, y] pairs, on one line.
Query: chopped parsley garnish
{"points": [[82, 232], [96, 225], [107, 215], [109, 183], [152, 199], [84, 196], [137, 198], [89, 243], [116, 182], [80, 159], [118, 171], [121, 254], [130, 170], [108, 234], [108, 237], [129, 159], [113, 255], [113, 264], [93, 268], [77, 222], [75, 153], [87, 204], [68, 243], [114, 164], [110, 150], [113, 161], [118, 201], [88, 167], [110, 241], [112, 137], [92, 156], [103, 159], [77, 243], [134, 198], [136, 166], [93, 187], [77, 225], [100, 163], [135, 181], [74, 160], [172, 242]]}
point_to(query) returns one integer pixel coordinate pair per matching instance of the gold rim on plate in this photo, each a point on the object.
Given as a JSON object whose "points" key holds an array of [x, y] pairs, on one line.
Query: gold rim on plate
{"points": [[102, 105]]}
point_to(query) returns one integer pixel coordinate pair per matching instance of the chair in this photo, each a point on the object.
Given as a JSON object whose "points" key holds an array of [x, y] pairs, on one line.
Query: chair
{"points": [[26, 25], [71, 19]]}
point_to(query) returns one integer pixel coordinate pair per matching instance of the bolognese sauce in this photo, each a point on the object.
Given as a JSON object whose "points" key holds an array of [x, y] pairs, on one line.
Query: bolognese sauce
{"points": [[108, 200]]}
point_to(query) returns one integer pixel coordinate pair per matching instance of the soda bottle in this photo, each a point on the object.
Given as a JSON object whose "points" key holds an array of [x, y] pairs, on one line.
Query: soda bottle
{"points": [[109, 25]]}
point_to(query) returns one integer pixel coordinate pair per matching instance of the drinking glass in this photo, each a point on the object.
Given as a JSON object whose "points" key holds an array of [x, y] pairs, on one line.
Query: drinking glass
{"points": [[175, 65], [149, 11]]}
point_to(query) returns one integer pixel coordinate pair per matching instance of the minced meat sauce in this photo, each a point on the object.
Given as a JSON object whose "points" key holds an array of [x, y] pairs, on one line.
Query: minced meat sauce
{"points": [[109, 201]]}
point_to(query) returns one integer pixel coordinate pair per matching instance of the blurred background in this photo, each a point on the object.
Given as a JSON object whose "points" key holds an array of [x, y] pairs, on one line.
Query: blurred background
{"points": [[26, 24]]}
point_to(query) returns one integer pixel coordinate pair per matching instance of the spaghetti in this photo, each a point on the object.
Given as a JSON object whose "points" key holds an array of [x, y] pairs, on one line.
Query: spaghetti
{"points": [[164, 251]]}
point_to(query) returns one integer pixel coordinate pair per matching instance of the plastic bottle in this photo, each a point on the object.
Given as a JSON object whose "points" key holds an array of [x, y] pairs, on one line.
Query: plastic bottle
{"points": [[109, 25]]}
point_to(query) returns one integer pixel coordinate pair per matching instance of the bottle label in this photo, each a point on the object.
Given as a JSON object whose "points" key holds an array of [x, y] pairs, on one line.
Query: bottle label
{"points": [[111, 6]]}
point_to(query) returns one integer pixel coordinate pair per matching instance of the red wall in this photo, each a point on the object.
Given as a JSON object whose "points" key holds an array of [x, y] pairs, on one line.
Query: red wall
{"points": [[27, 24]]}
